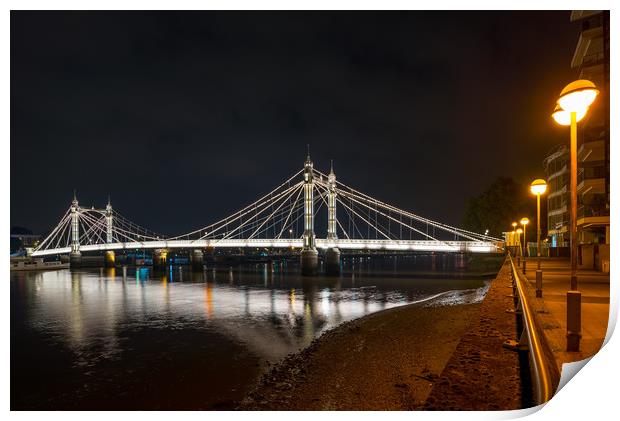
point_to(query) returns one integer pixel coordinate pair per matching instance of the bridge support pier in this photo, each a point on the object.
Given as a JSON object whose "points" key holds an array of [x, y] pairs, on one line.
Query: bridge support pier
{"points": [[197, 259], [460, 261], [332, 261], [309, 262], [75, 259], [160, 259], [109, 259]]}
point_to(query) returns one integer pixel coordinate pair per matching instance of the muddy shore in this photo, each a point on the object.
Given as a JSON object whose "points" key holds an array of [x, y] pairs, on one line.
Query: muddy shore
{"points": [[481, 374], [386, 360], [416, 357]]}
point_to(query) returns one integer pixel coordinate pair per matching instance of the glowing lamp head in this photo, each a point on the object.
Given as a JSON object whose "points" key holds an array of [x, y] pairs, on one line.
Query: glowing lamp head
{"points": [[562, 117], [514, 225], [524, 221], [577, 96], [538, 186], [519, 231]]}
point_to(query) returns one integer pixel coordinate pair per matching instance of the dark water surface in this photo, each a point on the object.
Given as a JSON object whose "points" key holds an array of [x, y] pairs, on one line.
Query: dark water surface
{"points": [[95, 339]]}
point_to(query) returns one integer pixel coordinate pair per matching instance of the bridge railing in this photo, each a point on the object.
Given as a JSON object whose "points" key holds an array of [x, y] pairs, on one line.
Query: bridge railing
{"points": [[544, 371], [344, 244]]}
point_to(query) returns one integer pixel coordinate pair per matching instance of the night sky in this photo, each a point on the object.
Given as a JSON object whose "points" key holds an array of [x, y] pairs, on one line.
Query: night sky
{"points": [[183, 117]]}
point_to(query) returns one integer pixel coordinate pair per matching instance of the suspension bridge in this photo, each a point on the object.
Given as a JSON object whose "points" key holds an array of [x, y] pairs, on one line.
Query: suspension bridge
{"points": [[283, 218]]}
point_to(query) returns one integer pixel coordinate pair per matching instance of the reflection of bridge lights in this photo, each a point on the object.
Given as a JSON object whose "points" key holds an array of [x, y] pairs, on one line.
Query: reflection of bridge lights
{"points": [[325, 301], [142, 274], [209, 300]]}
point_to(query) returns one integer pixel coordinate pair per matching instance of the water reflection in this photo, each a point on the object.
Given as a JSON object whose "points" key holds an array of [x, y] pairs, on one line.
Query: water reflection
{"points": [[133, 316]]}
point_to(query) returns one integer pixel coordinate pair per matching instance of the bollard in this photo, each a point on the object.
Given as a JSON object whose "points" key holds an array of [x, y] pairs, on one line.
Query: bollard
{"points": [[573, 320], [538, 283]]}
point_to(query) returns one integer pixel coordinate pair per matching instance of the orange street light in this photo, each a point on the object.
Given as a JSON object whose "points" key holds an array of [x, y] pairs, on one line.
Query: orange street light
{"points": [[538, 187], [573, 104], [524, 221], [577, 96]]}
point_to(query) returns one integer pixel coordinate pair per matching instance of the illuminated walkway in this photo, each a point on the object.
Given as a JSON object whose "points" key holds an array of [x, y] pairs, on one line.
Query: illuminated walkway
{"points": [[594, 287]]}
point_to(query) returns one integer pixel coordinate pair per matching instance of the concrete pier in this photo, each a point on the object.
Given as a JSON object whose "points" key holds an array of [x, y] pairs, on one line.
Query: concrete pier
{"points": [[197, 260], [309, 262], [109, 259], [160, 259], [460, 261], [75, 259], [332, 261]]}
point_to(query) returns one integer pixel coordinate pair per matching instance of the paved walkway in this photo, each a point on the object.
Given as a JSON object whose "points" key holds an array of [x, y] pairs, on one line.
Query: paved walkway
{"points": [[551, 308]]}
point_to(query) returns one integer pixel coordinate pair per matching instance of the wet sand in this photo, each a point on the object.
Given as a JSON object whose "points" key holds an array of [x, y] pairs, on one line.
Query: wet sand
{"points": [[415, 357], [384, 361], [482, 374]]}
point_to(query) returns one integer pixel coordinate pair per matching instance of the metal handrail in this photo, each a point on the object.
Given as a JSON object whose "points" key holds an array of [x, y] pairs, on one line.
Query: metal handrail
{"points": [[545, 374]]}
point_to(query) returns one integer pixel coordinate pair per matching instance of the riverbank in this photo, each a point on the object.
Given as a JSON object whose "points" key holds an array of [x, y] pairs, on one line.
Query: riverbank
{"points": [[481, 374], [384, 361], [420, 356]]}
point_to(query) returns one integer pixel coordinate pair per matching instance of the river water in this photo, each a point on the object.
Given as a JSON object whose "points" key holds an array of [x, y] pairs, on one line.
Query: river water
{"points": [[177, 339]]}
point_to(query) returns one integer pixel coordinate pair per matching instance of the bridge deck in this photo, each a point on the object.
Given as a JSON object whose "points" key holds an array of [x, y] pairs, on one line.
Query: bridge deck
{"points": [[344, 244]]}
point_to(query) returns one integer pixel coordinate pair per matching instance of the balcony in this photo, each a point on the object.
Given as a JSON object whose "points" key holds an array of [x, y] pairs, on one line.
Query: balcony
{"points": [[589, 44], [557, 192], [592, 216], [563, 169], [559, 211], [591, 180], [592, 151]]}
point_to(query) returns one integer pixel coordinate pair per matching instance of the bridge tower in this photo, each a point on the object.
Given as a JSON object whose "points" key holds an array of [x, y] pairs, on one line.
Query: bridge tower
{"points": [[75, 257], [332, 255], [110, 258], [309, 254]]}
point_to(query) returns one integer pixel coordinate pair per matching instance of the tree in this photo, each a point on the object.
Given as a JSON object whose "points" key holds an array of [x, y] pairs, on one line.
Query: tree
{"points": [[503, 203]]}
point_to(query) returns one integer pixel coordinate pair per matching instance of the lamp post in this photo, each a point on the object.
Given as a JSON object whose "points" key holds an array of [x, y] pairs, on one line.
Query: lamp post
{"points": [[514, 241], [524, 221], [538, 187], [573, 104], [519, 232]]}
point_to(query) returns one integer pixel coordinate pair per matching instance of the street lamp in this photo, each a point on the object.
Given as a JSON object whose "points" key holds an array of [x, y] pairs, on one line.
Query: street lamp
{"points": [[524, 221], [573, 104], [514, 241], [538, 187]]}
